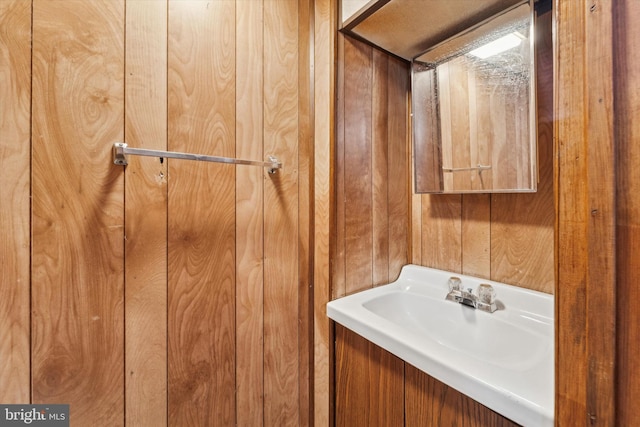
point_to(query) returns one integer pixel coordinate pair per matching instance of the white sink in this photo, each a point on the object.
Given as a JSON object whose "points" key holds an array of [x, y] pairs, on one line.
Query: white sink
{"points": [[504, 360]]}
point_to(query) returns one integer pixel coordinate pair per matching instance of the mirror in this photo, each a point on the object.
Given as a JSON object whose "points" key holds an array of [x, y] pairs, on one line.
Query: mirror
{"points": [[474, 109]]}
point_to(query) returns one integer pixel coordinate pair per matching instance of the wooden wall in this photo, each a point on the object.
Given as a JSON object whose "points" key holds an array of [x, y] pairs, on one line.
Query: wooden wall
{"points": [[370, 233], [627, 136], [171, 292]]}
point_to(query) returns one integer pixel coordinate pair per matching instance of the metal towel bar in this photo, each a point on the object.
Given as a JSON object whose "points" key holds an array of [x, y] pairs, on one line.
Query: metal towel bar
{"points": [[121, 150], [478, 168]]}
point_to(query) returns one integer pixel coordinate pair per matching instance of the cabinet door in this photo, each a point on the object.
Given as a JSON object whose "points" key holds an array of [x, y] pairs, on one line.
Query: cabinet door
{"points": [[430, 403], [369, 383]]}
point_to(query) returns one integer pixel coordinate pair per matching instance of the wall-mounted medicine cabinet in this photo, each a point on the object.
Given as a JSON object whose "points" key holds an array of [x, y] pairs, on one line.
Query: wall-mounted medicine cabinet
{"points": [[474, 109], [473, 87]]}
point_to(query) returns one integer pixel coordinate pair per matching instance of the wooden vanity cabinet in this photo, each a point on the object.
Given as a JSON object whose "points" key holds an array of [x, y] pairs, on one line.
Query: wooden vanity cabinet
{"points": [[375, 388]]}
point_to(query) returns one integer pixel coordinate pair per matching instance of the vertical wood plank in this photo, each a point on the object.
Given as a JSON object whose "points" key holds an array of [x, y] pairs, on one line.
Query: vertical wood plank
{"points": [[146, 215], [281, 116], [77, 264], [305, 211], [476, 235], [201, 218], [338, 267], [357, 161], [627, 108], [585, 293], [398, 165], [249, 214], [572, 220], [324, 124], [442, 232], [370, 383], [601, 204], [15, 157], [380, 167]]}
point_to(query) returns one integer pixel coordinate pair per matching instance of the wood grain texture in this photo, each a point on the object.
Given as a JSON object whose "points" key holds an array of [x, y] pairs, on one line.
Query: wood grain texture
{"points": [[358, 234], [15, 158], [369, 383], [201, 221], [305, 212], [146, 215], [476, 235], [281, 230], [337, 239], [379, 167], [371, 175], [193, 352], [429, 402], [627, 108], [442, 232], [324, 140], [601, 205], [249, 214], [398, 189], [78, 259], [585, 292]]}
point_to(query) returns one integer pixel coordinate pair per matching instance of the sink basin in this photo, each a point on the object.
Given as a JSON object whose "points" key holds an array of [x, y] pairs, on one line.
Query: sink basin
{"points": [[504, 360]]}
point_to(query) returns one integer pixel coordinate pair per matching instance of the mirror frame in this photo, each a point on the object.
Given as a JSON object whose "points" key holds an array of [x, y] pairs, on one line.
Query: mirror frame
{"points": [[426, 116]]}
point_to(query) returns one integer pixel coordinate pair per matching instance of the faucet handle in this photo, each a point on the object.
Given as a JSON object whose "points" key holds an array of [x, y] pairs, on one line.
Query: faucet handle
{"points": [[455, 284], [486, 293]]}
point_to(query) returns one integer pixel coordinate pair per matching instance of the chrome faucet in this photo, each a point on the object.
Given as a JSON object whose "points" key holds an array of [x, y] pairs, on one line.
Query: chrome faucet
{"points": [[484, 299]]}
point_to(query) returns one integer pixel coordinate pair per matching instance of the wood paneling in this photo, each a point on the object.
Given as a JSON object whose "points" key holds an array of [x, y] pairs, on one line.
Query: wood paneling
{"points": [[281, 131], [15, 158], [358, 232], [77, 195], [369, 383], [586, 276], [249, 214], [441, 242], [372, 185], [429, 402], [201, 240], [178, 290], [398, 189], [379, 168], [146, 235], [324, 138], [305, 210], [627, 108]]}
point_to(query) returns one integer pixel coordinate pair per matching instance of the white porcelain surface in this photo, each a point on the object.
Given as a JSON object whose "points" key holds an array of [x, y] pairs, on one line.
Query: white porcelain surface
{"points": [[504, 360]]}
